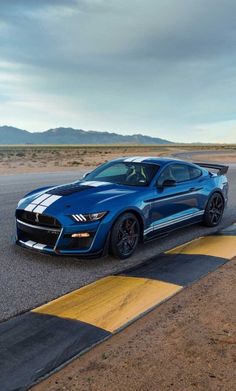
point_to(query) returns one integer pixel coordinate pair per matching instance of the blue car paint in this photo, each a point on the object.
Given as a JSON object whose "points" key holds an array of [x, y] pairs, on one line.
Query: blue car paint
{"points": [[159, 209]]}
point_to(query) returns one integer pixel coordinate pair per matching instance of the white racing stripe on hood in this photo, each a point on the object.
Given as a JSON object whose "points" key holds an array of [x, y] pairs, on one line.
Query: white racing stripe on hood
{"points": [[49, 201], [30, 207], [40, 204], [38, 200], [40, 209]]}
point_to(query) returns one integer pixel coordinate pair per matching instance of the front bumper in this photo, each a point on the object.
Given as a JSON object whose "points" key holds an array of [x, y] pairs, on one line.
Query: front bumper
{"points": [[49, 251], [59, 241]]}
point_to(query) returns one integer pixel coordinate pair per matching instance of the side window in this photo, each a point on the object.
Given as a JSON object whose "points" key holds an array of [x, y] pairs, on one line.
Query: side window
{"points": [[166, 175], [194, 172], [178, 172]]}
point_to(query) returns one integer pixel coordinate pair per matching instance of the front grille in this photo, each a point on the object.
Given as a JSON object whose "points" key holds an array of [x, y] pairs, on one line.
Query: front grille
{"points": [[37, 219], [43, 236]]}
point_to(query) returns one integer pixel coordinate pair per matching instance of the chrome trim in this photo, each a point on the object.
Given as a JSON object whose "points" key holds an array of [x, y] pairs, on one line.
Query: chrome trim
{"points": [[39, 226]]}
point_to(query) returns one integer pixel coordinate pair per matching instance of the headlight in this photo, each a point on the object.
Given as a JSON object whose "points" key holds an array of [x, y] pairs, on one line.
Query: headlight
{"points": [[84, 218]]}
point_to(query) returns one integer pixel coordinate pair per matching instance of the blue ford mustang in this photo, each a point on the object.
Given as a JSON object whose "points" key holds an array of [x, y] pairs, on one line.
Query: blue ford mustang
{"points": [[119, 204]]}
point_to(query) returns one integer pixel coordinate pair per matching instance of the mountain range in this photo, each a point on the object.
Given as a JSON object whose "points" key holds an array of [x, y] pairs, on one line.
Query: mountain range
{"points": [[10, 135]]}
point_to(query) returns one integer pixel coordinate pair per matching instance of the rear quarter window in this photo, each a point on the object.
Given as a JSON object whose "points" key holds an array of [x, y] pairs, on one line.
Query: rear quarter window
{"points": [[194, 172]]}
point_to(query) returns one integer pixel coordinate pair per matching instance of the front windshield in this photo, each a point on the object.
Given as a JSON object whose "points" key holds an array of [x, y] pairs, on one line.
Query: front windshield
{"points": [[124, 173]]}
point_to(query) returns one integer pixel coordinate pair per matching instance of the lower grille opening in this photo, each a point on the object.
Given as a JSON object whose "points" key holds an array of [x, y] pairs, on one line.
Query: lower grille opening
{"points": [[48, 238]]}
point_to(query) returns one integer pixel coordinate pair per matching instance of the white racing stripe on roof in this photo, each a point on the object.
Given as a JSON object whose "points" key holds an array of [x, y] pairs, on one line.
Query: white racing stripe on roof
{"points": [[141, 159], [131, 159], [94, 183]]}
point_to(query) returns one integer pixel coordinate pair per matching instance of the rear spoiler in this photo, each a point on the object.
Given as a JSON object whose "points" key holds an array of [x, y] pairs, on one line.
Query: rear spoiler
{"points": [[222, 169]]}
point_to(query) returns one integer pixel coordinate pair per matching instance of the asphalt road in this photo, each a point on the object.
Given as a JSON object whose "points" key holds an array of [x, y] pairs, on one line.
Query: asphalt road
{"points": [[29, 279]]}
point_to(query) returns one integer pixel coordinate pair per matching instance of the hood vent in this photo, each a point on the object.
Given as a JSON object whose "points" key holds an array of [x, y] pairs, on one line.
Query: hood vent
{"points": [[68, 189]]}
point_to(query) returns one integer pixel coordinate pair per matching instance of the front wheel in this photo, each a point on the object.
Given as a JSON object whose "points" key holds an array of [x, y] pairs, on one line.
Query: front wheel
{"points": [[125, 236], [214, 210]]}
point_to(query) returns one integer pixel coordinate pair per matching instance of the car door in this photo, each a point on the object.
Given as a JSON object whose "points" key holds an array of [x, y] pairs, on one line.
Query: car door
{"points": [[177, 196]]}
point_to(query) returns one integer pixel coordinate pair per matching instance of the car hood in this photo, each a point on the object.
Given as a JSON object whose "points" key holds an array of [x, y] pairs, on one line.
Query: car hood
{"points": [[90, 196]]}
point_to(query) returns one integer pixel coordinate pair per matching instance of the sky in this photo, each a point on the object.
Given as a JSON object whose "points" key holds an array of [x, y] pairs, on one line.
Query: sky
{"points": [[161, 68]]}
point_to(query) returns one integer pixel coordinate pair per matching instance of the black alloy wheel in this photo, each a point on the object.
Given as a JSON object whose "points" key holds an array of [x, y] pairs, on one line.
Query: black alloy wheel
{"points": [[214, 210], [125, 236]]}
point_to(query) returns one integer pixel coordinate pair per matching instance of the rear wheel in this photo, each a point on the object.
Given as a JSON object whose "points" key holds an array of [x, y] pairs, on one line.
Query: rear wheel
{"points": [[125, 236], [214, 210]]}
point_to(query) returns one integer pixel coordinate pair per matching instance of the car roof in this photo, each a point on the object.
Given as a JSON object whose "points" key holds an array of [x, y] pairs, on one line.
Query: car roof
{"points": [[161, 161]]}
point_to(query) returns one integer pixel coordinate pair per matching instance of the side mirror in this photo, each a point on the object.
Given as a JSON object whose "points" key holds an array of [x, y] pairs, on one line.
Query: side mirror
{"points": [[168, 183], [85, 174]]}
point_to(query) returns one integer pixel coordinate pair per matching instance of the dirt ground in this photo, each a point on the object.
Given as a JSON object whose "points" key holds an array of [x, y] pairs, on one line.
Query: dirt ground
{"points": [[59, 158], [185, 344], [21, 159]]}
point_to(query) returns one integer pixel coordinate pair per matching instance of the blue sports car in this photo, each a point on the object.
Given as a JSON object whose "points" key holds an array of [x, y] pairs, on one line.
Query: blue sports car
{"points": [[120, 204]]}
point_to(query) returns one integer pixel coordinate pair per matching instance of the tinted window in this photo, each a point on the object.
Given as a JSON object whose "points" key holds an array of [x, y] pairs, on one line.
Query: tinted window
{"points": [[125, 173], [177, 172], [194, 172], [114, 170]]}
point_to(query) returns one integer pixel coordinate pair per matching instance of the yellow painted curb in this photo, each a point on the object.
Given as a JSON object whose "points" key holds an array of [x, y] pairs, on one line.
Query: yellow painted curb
{"points": [[221, 246], [111, 302]]}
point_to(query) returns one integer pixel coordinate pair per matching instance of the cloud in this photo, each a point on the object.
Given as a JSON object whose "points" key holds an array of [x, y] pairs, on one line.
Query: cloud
{"points": [[158, 67]]}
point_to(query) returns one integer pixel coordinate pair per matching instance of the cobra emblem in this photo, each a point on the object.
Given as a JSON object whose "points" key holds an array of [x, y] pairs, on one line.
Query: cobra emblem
{"points": [[37, 218]]}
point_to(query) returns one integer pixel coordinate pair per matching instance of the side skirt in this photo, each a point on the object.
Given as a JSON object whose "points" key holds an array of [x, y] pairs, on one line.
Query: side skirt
{"points": [[160, 233]]}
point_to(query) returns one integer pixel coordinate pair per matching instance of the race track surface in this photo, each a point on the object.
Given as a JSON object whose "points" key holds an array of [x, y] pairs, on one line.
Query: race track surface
{"points": [[29, 279]]}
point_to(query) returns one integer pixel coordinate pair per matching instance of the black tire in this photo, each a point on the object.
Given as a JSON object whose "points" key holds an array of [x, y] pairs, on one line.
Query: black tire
{"points": [[214, 210], [125, 236]]}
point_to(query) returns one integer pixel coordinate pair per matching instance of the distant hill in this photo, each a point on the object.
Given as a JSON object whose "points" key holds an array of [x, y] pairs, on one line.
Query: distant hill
{"points": [[11, 135]]}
